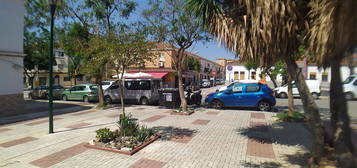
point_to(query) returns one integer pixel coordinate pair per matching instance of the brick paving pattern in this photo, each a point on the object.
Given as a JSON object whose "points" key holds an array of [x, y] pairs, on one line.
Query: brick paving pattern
{"points": [[228, 139], [79, 125], [84, 112], [60, 156], [147, 163], [260, 148], [18, 141], [212, 113], [42, 121], [201, 122], [257, 115], [153, 118], [4, 129]]}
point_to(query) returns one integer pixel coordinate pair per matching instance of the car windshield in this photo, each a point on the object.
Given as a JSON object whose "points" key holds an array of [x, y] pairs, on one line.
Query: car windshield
{"points": [[230, 85], [93, 87], [348, 80], [105, 83]]}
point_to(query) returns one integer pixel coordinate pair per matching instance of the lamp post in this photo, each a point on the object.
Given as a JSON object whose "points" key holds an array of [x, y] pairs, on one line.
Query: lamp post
{"points": [[53, 4]]}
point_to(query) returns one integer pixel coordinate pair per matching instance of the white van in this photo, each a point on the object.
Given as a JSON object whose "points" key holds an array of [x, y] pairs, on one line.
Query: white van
{"points": [[313, 85], [350, 87]]}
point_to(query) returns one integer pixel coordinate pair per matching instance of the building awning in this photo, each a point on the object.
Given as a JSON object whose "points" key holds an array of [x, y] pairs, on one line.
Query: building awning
{"points": [[143, 75]]}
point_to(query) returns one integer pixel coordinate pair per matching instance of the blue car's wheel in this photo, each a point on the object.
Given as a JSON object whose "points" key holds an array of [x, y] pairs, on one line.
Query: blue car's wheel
{"points": [[217, 104], [264, 106]]}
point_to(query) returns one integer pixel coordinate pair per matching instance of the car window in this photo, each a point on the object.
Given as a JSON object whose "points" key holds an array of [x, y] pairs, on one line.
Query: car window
{"points": [[348, 80], [355, 83], [237, 89], [57, 87], [138, 85], [230, 85], [93, 87], [81, 88], [105, 83], [74, 88], [252, 89]]}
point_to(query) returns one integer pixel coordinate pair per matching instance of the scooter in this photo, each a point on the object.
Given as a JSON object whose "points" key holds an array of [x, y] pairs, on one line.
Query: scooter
{"points": [[194, 97]]}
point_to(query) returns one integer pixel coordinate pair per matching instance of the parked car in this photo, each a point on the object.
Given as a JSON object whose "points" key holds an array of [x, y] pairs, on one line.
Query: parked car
{"points": [[42, 92], [350, 87], [205, 83], [141, 91], [106, 84], [243, 95], [313, 85], [84, 92]]}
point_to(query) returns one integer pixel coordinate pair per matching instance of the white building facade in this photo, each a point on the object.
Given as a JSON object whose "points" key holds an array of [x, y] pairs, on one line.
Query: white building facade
{"points": [[11, 56], [240, 72]]}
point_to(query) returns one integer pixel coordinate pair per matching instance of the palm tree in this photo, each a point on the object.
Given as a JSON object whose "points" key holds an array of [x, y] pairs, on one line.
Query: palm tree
{"points": [[332, 37], [265, 30]]}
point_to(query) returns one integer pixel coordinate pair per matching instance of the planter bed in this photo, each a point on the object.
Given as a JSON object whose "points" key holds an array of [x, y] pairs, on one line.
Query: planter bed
{"points": [[126, 152]]}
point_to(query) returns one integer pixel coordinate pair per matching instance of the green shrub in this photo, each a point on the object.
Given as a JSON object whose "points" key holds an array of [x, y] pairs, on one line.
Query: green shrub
{"points": [[143, 134], [296, 116], [104, 135], [127, 126]]}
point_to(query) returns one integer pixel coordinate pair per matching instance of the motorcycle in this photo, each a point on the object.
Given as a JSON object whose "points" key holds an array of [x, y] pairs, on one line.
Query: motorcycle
{"points": [[194, 97]]}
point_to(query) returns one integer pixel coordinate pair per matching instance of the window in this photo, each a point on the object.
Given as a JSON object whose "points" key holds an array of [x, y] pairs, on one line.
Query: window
{"points": [[252, 89], [138, 85], [236, 75], [105, 83], [79, 78], [348, 80], [161, 64], [162, 57], [81, 88], [241, 75], [237, 89], [312, 76], [66, 78], [57, 87], [94, 87], [355, 83], [60, 66], [253, 75], [324, 76], [43, 80]]}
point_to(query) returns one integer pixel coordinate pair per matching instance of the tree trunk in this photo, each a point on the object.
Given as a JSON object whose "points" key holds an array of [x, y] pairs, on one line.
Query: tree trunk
{"points": [[290, 97], [340, 121], [181, 91], [121, 84], [311, 110], [75, 78], [100, 93]]}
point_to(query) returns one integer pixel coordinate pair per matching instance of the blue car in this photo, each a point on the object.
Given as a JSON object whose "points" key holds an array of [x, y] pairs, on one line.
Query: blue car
{"points": [[243, 95]]}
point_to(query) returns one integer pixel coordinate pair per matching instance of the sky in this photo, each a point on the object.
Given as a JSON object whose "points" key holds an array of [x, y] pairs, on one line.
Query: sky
{"points": [[210, 50]]}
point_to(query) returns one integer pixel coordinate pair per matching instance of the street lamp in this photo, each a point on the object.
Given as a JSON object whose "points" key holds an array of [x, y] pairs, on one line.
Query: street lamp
{"points": [[53, 5]]}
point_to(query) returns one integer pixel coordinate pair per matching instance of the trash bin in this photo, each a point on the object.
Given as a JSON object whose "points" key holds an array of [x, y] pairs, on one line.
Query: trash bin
{"points": [[169, 97]]}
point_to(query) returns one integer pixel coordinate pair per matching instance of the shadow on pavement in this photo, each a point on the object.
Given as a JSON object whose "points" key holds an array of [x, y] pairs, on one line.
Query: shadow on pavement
{"points": [[90, 126], [297, 159], [280, 133], [167, 133], [37, 109]]}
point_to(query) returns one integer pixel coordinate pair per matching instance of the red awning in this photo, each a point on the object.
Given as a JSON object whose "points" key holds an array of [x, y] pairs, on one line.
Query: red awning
{"points": [[146, 75]]}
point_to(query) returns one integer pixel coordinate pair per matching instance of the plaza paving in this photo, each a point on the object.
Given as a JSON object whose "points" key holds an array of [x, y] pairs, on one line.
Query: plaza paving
{"points": [[207, 138]]}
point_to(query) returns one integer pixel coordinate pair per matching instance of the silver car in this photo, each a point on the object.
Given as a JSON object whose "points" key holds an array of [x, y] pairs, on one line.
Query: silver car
{"points": [[141, 91]]}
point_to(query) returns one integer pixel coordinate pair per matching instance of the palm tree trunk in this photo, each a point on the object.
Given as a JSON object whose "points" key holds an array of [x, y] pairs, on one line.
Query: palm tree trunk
{"points": [[311, 110], [290, 97], [181, 90], [340, 121]]}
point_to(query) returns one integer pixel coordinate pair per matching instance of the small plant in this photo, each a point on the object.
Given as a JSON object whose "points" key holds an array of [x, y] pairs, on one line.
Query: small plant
{"points": [[104, 135], [127, 126], [143, 134], [296, 116]]}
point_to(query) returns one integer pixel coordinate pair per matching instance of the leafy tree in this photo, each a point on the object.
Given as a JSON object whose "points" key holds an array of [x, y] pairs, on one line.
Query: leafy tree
{"points": [[170, 22], [74, 41], [251, 65], [122, 51], [193, 64]]}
